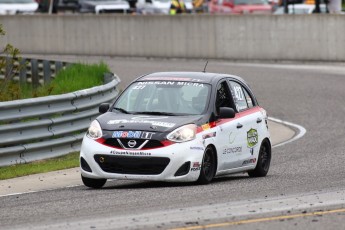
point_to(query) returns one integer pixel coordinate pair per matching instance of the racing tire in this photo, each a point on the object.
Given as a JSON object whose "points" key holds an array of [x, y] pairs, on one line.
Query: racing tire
{"points": [[264, 161], [93, 183], [208, 166]]}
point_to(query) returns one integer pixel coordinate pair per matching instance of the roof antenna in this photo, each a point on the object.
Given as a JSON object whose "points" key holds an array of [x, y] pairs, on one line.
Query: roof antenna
{"points": [[205, 67]]}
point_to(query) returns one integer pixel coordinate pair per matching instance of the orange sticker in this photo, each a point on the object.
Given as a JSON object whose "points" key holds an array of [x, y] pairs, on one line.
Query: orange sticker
{"points": [[206, 126]]}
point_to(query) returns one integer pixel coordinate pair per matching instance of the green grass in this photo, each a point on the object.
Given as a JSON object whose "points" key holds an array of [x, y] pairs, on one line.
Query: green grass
{"points": [[64, 162], [74, 77], [77, 77]]}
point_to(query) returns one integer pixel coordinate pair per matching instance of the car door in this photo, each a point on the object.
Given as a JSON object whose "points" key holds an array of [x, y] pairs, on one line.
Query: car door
{"points": [[250, 119], [231, 138]]}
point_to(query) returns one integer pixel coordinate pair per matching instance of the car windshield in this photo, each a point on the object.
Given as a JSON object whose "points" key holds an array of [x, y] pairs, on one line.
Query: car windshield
{"points": [[250, 2], [164, 98]]}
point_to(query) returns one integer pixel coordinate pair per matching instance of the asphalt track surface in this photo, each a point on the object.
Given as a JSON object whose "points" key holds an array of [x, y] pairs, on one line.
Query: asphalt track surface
{"points": [[305, 188]]}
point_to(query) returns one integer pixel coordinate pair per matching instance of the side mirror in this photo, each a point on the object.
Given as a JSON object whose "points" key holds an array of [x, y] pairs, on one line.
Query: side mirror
{"points": [[104, 107], [226, 112]]}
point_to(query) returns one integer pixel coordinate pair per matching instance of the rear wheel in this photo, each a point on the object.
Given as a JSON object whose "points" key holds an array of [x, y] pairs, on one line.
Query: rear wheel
{"points": [[93, 183], [208, 167], [264, 161]]}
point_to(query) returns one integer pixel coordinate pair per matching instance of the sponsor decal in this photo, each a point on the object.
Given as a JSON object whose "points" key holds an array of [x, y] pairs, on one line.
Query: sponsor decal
{"points": [[130, 153], [155, 123], [252, 138], [172, 79], [197, 148], [146, 135], [232, 137], [178, 83], [250, 161], [139, 87], [126, 134], [196, 166], [133, 134], [206, 126], [232, 150], [209, 135], [148, 118]]}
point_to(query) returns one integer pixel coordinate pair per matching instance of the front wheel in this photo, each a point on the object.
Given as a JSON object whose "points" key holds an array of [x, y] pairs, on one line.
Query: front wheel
{"points": [[93, 183], [264, 161], [208, 167]]}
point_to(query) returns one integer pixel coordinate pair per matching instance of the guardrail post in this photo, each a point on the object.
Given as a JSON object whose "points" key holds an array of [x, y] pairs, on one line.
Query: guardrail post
{"points": [[58, 66], [9, 68], [46, 72], [34, 73], [22, 72]]}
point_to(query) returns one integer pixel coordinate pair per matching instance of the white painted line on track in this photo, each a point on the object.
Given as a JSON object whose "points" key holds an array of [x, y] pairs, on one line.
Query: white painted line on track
{"points": [[43, 190], [301, 131]]}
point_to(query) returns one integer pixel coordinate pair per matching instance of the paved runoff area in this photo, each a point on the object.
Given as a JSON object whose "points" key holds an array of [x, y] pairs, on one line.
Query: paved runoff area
{"points": [[280, 133]]}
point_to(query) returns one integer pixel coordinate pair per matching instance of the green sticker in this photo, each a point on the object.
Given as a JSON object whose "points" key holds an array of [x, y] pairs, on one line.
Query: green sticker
{"points": [[252, 138]]}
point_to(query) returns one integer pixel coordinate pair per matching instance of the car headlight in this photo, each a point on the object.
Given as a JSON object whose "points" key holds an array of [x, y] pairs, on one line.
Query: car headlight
{"points": [[182, 134], [94, 131]]}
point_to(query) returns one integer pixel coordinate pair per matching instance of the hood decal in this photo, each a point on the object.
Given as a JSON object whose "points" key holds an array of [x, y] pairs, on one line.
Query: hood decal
{"points": [[135, 120]]}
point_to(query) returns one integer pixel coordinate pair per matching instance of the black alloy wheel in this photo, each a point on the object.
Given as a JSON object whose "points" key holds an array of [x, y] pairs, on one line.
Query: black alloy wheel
{"points": [[93, 183], [264, 161], [208, 167]]}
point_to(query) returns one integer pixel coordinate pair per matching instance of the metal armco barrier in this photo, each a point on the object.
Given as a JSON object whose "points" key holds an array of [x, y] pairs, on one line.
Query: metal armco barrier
{"points": [[35, 71], [40, 128]]}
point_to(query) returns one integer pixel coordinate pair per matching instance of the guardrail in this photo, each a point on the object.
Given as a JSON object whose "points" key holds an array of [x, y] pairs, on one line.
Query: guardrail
{"points": [[34, 71], [40, 128]]}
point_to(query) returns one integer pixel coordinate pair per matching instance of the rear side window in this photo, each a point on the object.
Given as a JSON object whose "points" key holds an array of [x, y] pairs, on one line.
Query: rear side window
{"points": [[242, 98]]}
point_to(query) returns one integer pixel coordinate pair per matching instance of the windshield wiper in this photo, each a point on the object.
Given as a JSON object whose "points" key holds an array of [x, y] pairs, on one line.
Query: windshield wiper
{"points": [[122, 110], [157, 113]]}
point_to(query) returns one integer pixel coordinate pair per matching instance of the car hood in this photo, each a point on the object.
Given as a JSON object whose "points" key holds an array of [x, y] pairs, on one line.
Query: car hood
{"points": [[119, 121]]}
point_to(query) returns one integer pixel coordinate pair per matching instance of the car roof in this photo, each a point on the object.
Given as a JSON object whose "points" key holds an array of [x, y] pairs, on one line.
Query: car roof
{"points": [[187, 76]]}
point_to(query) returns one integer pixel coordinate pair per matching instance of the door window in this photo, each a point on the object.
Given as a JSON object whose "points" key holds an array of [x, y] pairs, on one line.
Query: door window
{"points": [[223, 98], [242, 98]]}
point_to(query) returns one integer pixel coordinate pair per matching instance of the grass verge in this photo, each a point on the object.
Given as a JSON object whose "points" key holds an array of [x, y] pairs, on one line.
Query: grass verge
{"points": [[72, 78], [64, 162]]}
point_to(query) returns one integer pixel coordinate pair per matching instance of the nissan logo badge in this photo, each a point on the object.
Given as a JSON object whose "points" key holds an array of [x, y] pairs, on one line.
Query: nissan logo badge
{"points": [[131, 143]]}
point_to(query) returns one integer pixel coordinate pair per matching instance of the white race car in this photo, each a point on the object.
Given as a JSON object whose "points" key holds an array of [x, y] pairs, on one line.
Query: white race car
{"points": [[177, 126]]}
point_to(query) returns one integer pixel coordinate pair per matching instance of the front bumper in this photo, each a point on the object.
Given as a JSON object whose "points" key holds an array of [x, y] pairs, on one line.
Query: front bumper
{"points": [[160, 164]]}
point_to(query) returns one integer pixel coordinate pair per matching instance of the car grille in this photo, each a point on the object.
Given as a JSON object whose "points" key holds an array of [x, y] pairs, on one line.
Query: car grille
{"points": [[132, 165], [115, 142]]}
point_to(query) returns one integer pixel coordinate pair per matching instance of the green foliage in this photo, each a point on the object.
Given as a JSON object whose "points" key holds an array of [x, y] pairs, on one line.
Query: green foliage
{"points": [[72, 78], [64, 162], [8, 56], [76, 77]]}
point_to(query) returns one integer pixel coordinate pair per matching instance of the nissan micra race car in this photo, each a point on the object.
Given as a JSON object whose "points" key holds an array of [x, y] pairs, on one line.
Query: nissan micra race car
{"points": [[177, 126]]}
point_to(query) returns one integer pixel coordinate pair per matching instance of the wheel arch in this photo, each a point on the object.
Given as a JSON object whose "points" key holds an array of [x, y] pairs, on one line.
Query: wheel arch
{"points": [[215, 153], [268, 141]]}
